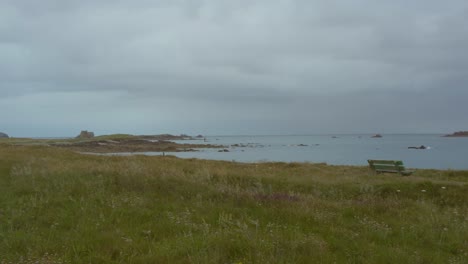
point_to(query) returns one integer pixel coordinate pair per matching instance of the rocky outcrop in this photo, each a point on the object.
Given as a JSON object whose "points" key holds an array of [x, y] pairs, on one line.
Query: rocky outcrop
{"points": [[458, 134], [129, 144], [377, 136], [85, 134], [420, 147], [3, 135]]}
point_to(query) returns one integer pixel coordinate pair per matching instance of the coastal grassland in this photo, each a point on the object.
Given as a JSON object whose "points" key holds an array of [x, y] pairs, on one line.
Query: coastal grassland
{"points": [[52, 141], [57, 206], [116, 143]]}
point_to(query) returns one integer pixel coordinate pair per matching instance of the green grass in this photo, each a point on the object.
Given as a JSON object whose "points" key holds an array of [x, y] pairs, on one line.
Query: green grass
{"points": [[57, 206]]}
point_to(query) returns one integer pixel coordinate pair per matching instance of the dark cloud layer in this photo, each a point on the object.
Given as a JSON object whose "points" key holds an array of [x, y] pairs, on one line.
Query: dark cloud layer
{"points": [[290, 66]]}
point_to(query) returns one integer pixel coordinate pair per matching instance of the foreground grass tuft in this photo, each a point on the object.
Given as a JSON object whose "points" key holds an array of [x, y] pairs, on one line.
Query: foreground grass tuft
{"points": [[57, 206]]}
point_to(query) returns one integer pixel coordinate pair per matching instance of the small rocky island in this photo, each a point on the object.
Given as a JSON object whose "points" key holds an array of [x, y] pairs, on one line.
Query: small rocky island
{"points": [[85, 134], [458, 134], [377, 136], [3, 135]]}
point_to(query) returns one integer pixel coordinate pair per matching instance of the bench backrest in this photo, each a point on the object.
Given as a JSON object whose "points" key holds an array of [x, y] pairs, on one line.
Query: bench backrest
{"points": [[387, 165]]}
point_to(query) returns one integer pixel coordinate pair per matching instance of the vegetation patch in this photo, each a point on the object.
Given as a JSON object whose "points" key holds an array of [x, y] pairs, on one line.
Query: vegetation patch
{"points": [[59, 206]]}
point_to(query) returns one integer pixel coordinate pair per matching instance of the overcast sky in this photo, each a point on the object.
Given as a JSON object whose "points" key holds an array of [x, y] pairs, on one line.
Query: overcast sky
{"points": [[233, 67]]}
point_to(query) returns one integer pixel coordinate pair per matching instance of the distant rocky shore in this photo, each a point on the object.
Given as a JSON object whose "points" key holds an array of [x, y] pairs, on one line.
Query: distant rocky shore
{"points": [[88, 142], [458, 134], [88, 135], [136, 144]]}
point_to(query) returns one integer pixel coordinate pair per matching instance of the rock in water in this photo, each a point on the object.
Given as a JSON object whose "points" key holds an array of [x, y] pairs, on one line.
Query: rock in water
{"points": [[85, 134], [458, 134], [3, 135], [420, 147]]}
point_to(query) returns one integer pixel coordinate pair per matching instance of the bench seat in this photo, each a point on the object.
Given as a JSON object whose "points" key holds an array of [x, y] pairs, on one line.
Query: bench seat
{"points": [[388, 166]]}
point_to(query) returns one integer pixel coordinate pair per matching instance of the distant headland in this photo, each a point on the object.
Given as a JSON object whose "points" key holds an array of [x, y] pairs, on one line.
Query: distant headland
{"points": [[88, 142], [458, 134]]}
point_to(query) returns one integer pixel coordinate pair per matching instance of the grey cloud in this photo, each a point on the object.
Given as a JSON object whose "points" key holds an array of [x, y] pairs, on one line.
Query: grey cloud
{"points": [[239, 60]]}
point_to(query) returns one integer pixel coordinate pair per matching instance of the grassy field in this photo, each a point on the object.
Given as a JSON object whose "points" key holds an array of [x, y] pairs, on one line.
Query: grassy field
{"points": [[57, 206]]}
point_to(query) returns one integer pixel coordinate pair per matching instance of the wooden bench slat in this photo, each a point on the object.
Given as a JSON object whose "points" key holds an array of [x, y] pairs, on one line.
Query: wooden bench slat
{"points": [[392, 166], [388, 167]]}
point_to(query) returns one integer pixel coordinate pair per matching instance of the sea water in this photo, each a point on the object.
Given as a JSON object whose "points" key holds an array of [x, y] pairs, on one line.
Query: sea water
{"points": [[441, 152]]}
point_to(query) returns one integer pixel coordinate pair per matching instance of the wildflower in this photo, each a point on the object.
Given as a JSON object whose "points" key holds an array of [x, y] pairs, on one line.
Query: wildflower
{"points": [[443, 187], [398, 190], [423, 190]]}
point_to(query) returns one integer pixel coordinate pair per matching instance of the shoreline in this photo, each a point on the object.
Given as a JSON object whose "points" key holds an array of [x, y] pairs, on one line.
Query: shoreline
{"points": [[116, 143], [335, 151]]}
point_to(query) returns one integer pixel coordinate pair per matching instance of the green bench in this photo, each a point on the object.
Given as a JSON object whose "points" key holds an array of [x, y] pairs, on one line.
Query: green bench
{"points": [[391, 166]]}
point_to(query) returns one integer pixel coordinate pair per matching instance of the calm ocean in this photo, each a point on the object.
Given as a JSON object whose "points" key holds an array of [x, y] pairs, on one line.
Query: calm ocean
{"points": [[442, 152]]}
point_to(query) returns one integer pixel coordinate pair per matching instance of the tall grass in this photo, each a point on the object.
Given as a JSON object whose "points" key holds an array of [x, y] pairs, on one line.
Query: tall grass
{"points": [[57, 206]]}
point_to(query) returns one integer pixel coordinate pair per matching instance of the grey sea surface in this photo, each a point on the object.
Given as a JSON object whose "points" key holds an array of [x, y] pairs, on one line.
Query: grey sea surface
{"points": [[441, 152]]}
